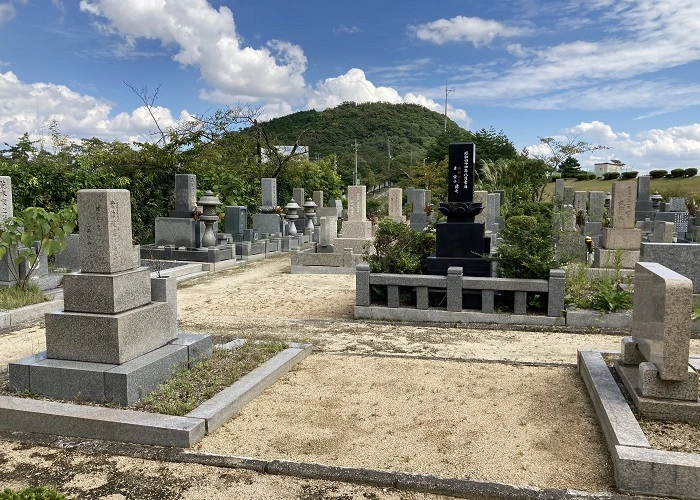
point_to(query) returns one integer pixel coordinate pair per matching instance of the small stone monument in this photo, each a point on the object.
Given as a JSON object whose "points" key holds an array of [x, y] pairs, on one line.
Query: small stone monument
{"points": [[180, 229], [460, 240], [267, 221], [419, 200], [654, 361], [357, 226], [395, 204], [116, 338], [623, 236]]}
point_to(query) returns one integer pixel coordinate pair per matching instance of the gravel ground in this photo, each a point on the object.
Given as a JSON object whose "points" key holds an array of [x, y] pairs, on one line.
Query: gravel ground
{"points": [[484, 402]]}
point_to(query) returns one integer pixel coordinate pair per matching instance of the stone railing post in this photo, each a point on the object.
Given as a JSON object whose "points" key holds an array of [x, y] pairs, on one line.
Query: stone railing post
{"points": [[454, 289], [555, 303], [362, 297]]}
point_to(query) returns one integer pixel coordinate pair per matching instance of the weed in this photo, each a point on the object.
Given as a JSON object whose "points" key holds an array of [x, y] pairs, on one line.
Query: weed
{"points": [[15, 296]]}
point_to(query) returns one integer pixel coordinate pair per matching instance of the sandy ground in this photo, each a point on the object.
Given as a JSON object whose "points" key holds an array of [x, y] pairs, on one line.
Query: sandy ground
{"points": [[482, 402]]}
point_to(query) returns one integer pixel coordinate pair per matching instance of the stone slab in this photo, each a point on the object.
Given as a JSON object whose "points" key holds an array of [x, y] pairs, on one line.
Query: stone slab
{"points": [[127, 383], [94, 422], [107, 293], [179, 232], [603, 257], [199, 346], [115, 339], [681, 258], [18, 371], [586, 318], [652, 386], [623, 239], [70, 257], [217, 410], [624, 196], [661, 318], [268, 223], [356, 229], [438, 316], [70, 380]]}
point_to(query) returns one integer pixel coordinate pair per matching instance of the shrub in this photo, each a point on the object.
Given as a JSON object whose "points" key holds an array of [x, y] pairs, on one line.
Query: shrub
{"points": [[603, 293], [400, 250], [610, 176], [677, 172], [591, 176], [583, 176], [629, 175], [690, 172], [526, 250], [554, 176], [657, 174]]}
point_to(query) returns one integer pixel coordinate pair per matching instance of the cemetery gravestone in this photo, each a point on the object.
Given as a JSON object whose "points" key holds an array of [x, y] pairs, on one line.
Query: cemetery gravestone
{"points": [[357, 226], [460, 241], [481, 197], [395, 204], [180, 229], [267, 221], [623, 238]]}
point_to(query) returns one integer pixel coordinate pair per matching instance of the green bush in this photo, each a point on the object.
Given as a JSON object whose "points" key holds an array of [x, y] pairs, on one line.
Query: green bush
{"points": [[603, 293], [690, 172], [38, 493], [629, 175], [399, 250], [608, 176], [527, 250], [554, 176], [677, 172], [657, 174], [583, 176], [591, 176]]}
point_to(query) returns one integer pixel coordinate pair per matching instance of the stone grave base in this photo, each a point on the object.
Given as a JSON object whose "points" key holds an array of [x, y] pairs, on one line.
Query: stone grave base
{"points": [[657, 408], [471, 266], [639, 468], [123, 384], [209, 255], [130, 426], [358, 245]]}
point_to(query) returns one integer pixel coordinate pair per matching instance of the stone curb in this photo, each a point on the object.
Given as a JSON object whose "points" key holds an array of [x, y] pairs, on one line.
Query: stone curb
{"points": [[584, 317], [441, 316], [51, 417], [34, 312], [639, 469]]}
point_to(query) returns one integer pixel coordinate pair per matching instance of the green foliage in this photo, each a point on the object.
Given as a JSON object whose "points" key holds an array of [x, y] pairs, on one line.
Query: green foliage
{"points": [[521, 178], [690, 172], [554, 176], [611, 176], [190, 388], [591, 176], [604, 293], [15, 296], [677, 172], [34, 493], [18, 234], [629, 175], [399, 250], [527, 250], [570, 168], [657, 174], [583, 176]]}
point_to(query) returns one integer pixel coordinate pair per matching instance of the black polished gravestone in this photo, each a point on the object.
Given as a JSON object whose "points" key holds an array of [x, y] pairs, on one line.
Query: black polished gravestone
{"points": [[460, 240]]}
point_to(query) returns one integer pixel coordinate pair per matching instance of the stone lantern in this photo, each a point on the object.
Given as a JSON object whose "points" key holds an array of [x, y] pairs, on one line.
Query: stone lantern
{"points": [[209, 202], [656, 200], [292, 207], [310, 214], [608, 199]]}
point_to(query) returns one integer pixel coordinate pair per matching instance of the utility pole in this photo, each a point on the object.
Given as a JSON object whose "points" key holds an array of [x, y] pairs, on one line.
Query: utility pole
{"points": [[356, 162], [447, 91]]}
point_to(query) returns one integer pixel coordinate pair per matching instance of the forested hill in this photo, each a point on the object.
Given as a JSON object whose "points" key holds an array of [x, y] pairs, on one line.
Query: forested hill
{"points": [[390, 137]]}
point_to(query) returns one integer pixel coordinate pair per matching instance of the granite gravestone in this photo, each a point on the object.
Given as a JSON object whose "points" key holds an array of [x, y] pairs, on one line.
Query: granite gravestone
{"points": [[180, 229], [357, 226], [267, 221], [460, 241], [395, 204]]}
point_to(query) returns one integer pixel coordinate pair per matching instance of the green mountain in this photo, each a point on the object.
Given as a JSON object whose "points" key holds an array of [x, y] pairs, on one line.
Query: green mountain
{"points": [[390, 138]]}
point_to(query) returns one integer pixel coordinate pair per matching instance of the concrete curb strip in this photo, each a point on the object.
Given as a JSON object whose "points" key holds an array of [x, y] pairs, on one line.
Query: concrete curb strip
{"points": [[638, 468], [92, 422]]}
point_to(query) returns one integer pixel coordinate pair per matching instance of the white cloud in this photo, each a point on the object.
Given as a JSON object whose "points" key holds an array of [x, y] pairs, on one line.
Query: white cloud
{"points": [[465, 29], [7, 12], [674, 147], [352, 86], [31, 107], [206, 38]]}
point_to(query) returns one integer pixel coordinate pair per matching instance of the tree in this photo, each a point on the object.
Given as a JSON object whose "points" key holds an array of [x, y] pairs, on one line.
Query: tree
{"points": [[559, 150], [522, 178], [570, 168]]}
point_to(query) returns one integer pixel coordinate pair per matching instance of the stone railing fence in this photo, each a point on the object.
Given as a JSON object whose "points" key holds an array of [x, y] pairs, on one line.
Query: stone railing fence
{"points": [[455, 284]]}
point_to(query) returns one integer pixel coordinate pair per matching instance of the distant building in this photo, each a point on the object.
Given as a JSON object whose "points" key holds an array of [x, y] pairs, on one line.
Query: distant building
{"points": [[287, 150], [599, 169]]}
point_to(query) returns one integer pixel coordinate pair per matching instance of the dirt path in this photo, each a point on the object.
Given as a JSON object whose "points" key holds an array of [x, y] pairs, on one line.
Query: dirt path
{"points": [[491, 403]]}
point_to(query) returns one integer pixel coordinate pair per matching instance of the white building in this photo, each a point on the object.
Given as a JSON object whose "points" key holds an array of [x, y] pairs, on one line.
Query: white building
{"points": [[603, 168]]}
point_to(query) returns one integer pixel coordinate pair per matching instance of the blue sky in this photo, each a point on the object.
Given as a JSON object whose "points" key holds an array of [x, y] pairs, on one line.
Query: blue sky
{"points": [[620, 73]]}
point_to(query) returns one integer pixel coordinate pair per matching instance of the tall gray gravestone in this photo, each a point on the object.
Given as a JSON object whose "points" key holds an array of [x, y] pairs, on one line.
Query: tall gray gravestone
{"points": [[180, 229], [623, 238], [357, 226], [418, 218], [267, 221], [395, 204], [6, 210]]}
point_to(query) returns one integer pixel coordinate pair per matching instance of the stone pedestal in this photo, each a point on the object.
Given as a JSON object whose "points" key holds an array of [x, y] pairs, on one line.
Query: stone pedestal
{"points": [[460, 244]]}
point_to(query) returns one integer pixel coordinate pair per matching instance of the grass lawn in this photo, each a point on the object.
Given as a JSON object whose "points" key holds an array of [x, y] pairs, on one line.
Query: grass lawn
{"points": [[688, 187], [12, 297]]}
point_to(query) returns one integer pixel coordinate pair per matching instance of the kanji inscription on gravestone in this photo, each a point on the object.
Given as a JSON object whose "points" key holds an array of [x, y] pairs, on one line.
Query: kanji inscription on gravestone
{"points": [[461, 177]]}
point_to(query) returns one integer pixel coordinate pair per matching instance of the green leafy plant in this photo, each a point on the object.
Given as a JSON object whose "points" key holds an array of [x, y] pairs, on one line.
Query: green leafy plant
{"points": [[36, 493], [12, 297], [19, 234], [658, 174], [400, 250], [604, 293]]}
